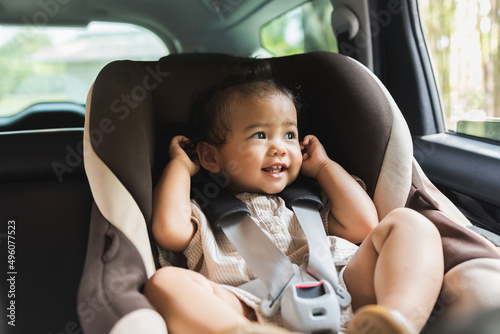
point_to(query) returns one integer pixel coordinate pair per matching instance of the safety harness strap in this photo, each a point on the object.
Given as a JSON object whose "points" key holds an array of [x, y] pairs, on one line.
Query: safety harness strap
{"points": [[303, 198], [321, 265], [225, 211], [273, 268]]}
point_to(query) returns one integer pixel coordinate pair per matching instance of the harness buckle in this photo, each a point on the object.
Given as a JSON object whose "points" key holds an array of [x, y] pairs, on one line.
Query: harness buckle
{"points": [[311, 307]]}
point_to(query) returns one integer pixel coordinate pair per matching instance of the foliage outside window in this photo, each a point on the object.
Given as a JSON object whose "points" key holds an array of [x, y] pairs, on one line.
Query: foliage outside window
{"points": [[44, 64], [303, 29], [463, 37]]}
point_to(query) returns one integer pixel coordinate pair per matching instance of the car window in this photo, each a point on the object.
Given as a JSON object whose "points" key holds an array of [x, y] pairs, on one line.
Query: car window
{"points": [[58, 64], [463, 37], [303, 29]]}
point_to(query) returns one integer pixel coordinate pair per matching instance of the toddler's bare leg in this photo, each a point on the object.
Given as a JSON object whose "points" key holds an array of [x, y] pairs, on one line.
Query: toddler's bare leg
{"points": [[190, 303], [399, 265]]}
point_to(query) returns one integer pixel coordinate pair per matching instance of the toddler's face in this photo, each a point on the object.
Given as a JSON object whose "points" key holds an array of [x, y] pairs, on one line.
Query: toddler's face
{"points": [[262, 153]]}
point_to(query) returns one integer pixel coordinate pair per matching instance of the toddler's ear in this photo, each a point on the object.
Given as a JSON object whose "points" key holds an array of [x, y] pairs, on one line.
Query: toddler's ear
{"points": [[207, 157]]}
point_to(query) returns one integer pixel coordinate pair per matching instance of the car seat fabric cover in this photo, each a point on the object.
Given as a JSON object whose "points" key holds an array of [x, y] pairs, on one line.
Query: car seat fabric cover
{"points": [[119, 258], [135, 108]]}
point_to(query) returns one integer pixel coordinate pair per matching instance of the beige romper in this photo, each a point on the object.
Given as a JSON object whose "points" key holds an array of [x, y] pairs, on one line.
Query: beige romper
{"points": [[211, 254]]}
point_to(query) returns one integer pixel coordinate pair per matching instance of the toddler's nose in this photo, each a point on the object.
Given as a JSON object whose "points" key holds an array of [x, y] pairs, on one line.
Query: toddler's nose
{"points": [[278, 150]]}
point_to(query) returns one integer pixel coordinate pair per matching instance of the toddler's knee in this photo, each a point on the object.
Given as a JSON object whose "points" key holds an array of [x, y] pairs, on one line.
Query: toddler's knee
{"points": [[402, 214], [166, 278], [411, 220]]}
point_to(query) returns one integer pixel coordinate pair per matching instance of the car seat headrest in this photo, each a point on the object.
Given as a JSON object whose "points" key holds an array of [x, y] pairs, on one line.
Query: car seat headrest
{"points": [[341, 104]]}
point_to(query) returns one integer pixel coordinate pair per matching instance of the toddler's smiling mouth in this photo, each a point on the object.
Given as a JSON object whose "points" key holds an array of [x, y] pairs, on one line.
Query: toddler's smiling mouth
{"points": [[275, 169]]}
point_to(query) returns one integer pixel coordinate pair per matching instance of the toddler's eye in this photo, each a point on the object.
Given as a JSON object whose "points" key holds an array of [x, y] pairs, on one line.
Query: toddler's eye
{"points": [[289, 135], [259, 135]]}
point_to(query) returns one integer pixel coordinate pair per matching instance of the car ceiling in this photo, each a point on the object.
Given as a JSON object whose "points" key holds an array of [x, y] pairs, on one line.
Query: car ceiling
{"points": [[226, 26]]}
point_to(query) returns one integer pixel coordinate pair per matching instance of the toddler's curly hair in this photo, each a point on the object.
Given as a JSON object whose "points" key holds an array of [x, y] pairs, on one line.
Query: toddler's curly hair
{"points": [[210, 110]]}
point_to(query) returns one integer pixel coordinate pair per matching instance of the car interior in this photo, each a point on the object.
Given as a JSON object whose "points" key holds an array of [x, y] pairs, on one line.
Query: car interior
{"points": [[76, 176]]}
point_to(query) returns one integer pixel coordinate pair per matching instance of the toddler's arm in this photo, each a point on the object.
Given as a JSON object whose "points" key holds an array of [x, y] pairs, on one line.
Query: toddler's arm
{"points": [[352, 213], [172, 226]]}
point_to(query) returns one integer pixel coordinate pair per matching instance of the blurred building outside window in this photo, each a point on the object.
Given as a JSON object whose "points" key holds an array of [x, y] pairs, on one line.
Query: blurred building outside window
{"points": [[59, 64]]}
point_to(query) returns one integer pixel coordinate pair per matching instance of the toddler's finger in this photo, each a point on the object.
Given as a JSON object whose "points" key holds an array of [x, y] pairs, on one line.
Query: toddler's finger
{"points": [[176, 140], [306, 142]]}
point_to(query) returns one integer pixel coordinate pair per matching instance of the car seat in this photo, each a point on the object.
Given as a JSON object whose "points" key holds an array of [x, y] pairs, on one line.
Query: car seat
{"points": [[135, 108]]}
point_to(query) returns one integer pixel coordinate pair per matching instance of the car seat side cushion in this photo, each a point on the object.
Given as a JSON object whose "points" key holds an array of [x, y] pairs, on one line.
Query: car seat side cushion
{"points": [[460, 244], [112, 279], [115, 201]]}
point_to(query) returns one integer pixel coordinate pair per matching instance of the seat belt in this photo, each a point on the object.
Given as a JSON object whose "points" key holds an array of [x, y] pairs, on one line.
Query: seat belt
{"points": [[303, 198], [310, 298], [271, 266]]}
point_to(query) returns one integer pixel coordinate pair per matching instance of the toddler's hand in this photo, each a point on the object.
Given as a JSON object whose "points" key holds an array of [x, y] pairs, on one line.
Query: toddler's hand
{"points": [[176, 152], [314, 156]]}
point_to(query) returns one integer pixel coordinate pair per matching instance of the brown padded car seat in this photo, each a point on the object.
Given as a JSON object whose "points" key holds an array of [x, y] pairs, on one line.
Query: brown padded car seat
{"points": [[135, 108]]}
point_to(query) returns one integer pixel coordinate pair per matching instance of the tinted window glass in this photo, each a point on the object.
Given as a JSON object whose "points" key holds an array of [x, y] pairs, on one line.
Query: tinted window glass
{"points": [[44, 64], [303, 29], [463, 38]]}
